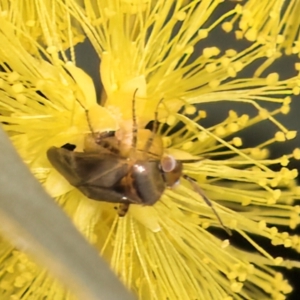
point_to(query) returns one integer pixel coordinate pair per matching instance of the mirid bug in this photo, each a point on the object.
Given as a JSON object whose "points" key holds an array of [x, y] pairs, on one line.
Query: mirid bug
{"points": [[105, 171]]}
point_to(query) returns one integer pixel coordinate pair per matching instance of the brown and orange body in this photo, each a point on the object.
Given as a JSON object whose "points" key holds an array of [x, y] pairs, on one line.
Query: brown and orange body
{"points": [[110, 171], [125, 167]]}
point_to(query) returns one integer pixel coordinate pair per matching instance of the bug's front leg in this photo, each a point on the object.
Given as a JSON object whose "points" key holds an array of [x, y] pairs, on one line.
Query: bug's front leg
{"points": [[104, 142], [99, 137], [123, 209]]}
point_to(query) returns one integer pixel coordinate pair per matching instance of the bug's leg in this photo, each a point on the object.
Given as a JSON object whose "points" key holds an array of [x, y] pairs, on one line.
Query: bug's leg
{"points": [[86, 111], [198, 189], [68, 146], [123, 209], [154, 130], [134, 124], [103, 135]]}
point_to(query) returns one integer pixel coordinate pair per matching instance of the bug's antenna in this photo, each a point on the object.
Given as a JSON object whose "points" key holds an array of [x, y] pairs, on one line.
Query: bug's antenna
{"points": [[206, 200], [87, 118], [154, 129], [134, 125]]}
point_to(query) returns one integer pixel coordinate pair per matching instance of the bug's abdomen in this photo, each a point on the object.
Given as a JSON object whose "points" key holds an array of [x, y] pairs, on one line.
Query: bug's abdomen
{"points": [[147, 181]]}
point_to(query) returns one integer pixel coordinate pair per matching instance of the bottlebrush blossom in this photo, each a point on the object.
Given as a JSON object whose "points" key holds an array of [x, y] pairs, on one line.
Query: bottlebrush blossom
{"points": [[169, 250], [268, 22]]}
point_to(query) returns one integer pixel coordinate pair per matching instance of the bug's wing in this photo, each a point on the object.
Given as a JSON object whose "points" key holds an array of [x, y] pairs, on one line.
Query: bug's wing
{"points": [[98, 170], [103, 194]]}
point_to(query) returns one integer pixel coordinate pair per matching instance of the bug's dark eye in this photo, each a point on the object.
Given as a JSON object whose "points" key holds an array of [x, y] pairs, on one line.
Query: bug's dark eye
{"points": [[69, 147], [168, 163]]}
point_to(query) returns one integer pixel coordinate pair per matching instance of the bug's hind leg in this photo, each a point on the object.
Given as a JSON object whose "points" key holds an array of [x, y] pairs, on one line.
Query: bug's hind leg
{"points": [[123, 209]]}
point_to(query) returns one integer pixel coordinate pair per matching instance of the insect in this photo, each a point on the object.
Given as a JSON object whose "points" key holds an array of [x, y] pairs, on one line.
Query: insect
{"points": [[107, 171]]}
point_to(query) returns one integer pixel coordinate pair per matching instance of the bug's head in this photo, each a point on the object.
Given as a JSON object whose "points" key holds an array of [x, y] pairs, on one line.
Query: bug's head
{"points": [[171, 170]]}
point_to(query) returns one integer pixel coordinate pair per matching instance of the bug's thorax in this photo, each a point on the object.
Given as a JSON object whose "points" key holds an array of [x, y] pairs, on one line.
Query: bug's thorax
{"points": [[141, 151], [119, 144]]}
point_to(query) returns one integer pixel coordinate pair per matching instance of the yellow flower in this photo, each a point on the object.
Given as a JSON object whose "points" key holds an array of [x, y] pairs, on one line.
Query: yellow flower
{"points": [[273, 22], [169, 250]]}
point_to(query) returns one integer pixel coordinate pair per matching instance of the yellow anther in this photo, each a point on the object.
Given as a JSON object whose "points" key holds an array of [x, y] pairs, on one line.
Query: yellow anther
{"points": [[262, 225], [230, 52], [236, 287], [225, 61], [210, 52], [203, 33], [296, 153], [232, 114], [210, 68], [287, 100], [225, 244], [232, 275], [214, 83], [18, 88], [296, 90], [251, 35], [238, 66], [51, 49], [272, 78], [180, 16], [276, 194], [297, 66], [291, 134], [278, 260], [187, 146], [190, 109], [189, 50], [284, 161], [171, 120], [280, 136], [220, 131], [231, 72], [202, 114], [237, 141], [13, 76], [285, 109], [227, 26], [233, 127], [239, 34]]}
